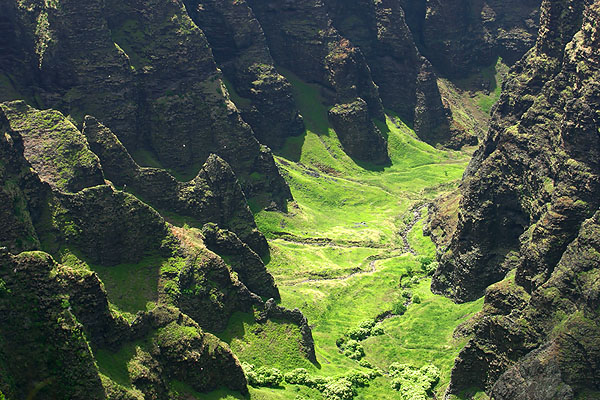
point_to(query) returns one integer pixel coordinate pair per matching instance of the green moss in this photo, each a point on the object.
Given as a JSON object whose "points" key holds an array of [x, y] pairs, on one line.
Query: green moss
{"points": [[114, 364], [174, 333]]}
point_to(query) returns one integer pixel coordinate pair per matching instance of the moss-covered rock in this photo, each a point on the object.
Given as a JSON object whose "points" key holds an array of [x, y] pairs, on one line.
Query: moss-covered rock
{"points": [[302, 38], [43, 346], [53, 146], [359, 136], [201, 285], [145, 70], [110, 227], [241, 51], [542, 151], [214, 195], [533, 180], [243, 260]]}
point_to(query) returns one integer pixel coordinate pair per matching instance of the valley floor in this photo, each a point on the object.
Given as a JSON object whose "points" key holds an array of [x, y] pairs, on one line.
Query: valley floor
{"points": [[349, 249]]}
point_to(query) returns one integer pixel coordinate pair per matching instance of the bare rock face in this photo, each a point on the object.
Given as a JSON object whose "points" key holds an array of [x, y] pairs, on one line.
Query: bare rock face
{"points": [[240, 49], [530, 203], [359, 136]]}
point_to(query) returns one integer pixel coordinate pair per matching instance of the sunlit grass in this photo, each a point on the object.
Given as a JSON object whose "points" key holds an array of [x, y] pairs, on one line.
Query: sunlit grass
{"points": [[355, 213]]}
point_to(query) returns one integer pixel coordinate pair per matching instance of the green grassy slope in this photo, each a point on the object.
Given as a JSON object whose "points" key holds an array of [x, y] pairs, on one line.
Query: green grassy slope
{"points": [[339, 256]]}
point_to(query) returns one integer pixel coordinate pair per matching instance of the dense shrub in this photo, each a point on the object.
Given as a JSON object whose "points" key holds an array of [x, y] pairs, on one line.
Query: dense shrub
{"points": [[361, 379], [416, 299], [349, 345], [428, 265], [398, 308], [262, 376], [340, 389], [299, 376], [414, 383], [354, 350], [358, 333]]}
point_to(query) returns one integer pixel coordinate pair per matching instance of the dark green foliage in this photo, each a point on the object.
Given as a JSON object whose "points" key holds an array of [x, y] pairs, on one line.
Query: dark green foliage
{"points": [[352, 349], [341, 388], [398, 308], [42, 340]]}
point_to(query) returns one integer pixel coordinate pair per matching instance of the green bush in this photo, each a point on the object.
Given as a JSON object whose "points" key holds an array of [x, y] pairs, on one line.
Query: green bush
{"points": [[398, 308], [367, 324], [416, 299], [359, 333], [353, 350], [428, 265], [364, 330], [299, 376], [262, 376], [414, 383], [377, 331], [340, 389], [361, 379]]}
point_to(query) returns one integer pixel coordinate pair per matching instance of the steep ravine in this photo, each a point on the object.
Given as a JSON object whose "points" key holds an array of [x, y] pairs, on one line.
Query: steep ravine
{"points": [[215, 199], [529, 204]]}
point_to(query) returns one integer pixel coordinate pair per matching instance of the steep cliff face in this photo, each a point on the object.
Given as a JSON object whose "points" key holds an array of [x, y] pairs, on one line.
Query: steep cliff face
{"points": [[214, 195], [146, 71], [302, 38], [521, 190], [405, 80], [240, 49], [58, 201], [458, 36], [530, 201], [51, 356]]}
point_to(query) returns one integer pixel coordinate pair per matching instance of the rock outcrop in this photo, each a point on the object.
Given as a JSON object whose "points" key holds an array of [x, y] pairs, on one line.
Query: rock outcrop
{"points": [[243, 260], [165, 100], [406, 81], [240, 49], [42, 346], [65, 207], [359, 136], [64, 308], [533, 181], [459, 36], [530, 203], [214, 195], [302, 38], [295, 316]]}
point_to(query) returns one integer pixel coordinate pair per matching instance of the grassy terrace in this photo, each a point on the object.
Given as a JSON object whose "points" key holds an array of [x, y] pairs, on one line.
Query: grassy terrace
{"points": [[338, 254]]}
